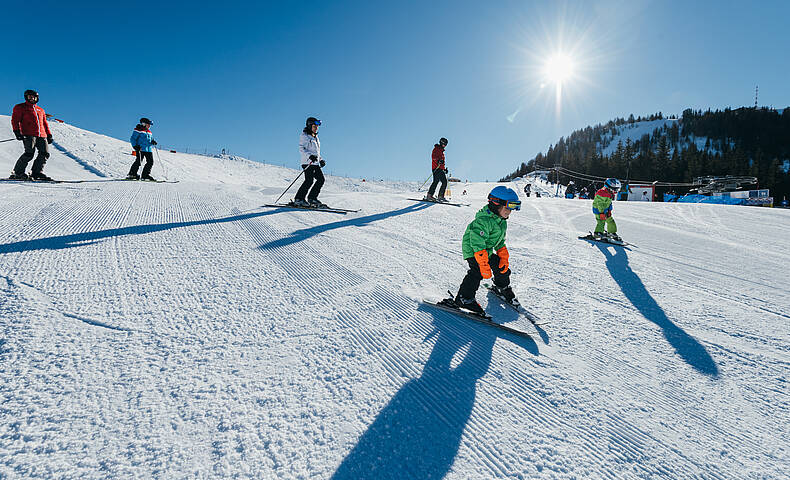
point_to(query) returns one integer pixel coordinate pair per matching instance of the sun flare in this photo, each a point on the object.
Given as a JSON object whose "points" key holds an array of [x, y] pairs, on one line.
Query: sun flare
{"points": [[559, 68]]}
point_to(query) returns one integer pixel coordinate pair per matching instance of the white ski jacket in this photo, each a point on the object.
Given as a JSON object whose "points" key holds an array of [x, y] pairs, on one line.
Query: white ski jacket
{"points": [[309, 145]]}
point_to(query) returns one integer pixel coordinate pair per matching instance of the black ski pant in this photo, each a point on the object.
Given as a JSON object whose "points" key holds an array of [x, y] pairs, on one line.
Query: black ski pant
{"points": [[31, 144], [139, 155], [438, 176], [312, 173], [471, 281]]}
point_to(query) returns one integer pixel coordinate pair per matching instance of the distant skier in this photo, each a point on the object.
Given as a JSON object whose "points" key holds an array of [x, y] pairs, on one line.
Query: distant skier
{"points": [[602, 208], [527, 189], [439, 172], [312, 162], [645, 197], [29, 123], [570, 190], [142, 140], [484, 249]]}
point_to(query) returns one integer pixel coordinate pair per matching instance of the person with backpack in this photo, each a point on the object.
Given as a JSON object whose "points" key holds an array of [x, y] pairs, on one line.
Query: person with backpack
{"points": [[142, 140], [483, 248], [312, 163], [439, 172], [29, 123], [602, 209]]}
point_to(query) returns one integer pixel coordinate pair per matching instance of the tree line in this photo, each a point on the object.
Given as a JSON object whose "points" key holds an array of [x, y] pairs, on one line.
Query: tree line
{"points": [[744, 141]]}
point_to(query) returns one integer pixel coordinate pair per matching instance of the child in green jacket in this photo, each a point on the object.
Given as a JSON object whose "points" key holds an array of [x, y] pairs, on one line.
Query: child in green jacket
{"points": [[602, 209], [484, 249]]}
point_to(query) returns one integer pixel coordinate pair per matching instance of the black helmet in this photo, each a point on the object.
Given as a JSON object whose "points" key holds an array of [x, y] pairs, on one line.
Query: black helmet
{"points": [[443, 142], [30, 93], [312, 121], [145, 120]]}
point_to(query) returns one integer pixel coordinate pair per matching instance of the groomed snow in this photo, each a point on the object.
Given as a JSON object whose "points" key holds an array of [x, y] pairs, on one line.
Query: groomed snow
{"points": [[180, 331]]}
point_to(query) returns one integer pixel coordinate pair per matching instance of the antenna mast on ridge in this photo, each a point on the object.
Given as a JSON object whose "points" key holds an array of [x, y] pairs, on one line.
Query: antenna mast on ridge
{"points": [[756, 87]]}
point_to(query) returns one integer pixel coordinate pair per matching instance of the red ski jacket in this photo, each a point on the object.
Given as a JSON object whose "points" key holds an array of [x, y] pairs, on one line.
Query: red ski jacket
{"points": [[30, 120], [437, 157]]}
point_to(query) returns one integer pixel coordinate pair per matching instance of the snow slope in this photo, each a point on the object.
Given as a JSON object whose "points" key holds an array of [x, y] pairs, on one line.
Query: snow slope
{"points": [[178, 330]]}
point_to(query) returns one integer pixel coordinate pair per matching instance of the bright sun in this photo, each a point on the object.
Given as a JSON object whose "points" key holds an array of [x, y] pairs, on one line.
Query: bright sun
{"points": [[558, 68]]}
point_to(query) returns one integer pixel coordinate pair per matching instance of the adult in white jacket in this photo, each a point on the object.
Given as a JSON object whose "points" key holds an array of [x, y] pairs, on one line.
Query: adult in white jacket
{"points": [[310, 150]]}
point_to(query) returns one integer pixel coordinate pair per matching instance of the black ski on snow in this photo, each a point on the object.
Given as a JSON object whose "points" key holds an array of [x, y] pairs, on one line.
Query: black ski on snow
{"points": [[142, 181], [440, 203], [14, 180], [485, 320], [331, 210], [592, 238], [518, 308]]}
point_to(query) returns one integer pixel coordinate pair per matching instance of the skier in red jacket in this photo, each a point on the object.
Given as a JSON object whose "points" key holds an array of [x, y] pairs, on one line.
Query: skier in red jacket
{"points": [[439, 172], [29, 123]]}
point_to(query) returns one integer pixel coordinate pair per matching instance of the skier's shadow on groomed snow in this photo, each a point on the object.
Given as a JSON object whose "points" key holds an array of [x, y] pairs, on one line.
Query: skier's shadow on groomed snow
{"points": [[60, 242], [418, 433], [305, 233], [689, 349]]}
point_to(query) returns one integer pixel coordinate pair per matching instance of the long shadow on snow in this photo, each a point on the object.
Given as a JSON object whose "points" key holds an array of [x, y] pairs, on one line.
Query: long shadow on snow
{"points": [[305, 233], [418, 433], [629, 282], [80, 161], [87, 238]]}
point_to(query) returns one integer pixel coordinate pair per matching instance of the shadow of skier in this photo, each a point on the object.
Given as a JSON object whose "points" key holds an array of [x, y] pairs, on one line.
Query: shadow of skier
{"points": [[88, 238], [689, 349], [305, 233], [418, 433]]}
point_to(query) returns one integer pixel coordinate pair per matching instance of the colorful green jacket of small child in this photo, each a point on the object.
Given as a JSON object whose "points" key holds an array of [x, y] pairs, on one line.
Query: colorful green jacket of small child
{"points": [[486, 232], [602, 204]]}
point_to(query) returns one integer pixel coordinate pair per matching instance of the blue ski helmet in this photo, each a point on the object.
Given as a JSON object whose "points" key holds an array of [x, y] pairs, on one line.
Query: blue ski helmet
{"points": [[612, 184], [502, 195]]}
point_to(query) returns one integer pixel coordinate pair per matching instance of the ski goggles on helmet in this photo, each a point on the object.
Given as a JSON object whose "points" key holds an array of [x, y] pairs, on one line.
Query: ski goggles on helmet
{"points": [[509, 204], [315, 122]]}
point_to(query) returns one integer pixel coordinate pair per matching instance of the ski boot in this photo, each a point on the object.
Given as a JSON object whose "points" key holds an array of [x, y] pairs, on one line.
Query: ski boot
{"points": [[148, 177], [133, 176], [442, 200], [40, 177], [469, 304], [315, 203], [298, 202], [506, 294], [19, 176], [429, 198], [615, 237]]}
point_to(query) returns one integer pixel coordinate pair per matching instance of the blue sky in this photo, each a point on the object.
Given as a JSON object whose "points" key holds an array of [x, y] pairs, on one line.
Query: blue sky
{"points": [[388, 78]]}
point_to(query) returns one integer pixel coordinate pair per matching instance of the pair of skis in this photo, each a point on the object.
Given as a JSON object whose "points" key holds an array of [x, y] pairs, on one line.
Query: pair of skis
{"points": [[14, 180], [341, 211], [440, 203], [605, 239], [449, 306]]}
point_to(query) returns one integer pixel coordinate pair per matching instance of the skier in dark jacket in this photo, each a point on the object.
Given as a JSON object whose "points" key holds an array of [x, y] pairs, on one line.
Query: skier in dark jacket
{"points": [[439, 172], [29, 123], [142, 140]]}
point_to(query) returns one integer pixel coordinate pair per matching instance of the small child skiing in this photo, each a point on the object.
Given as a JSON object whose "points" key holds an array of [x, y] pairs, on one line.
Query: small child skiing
{"points": [[602, 208], [484, 249], [142, 140]]}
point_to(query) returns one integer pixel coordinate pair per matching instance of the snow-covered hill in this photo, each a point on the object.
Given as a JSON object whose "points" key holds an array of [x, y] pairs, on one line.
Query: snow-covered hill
{"points": [[179, 330]]}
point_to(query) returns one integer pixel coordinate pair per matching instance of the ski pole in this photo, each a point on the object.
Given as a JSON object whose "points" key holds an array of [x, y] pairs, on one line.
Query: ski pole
{"points": [[2, 141], [289, 186], [429, 177], [159, 159]]}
